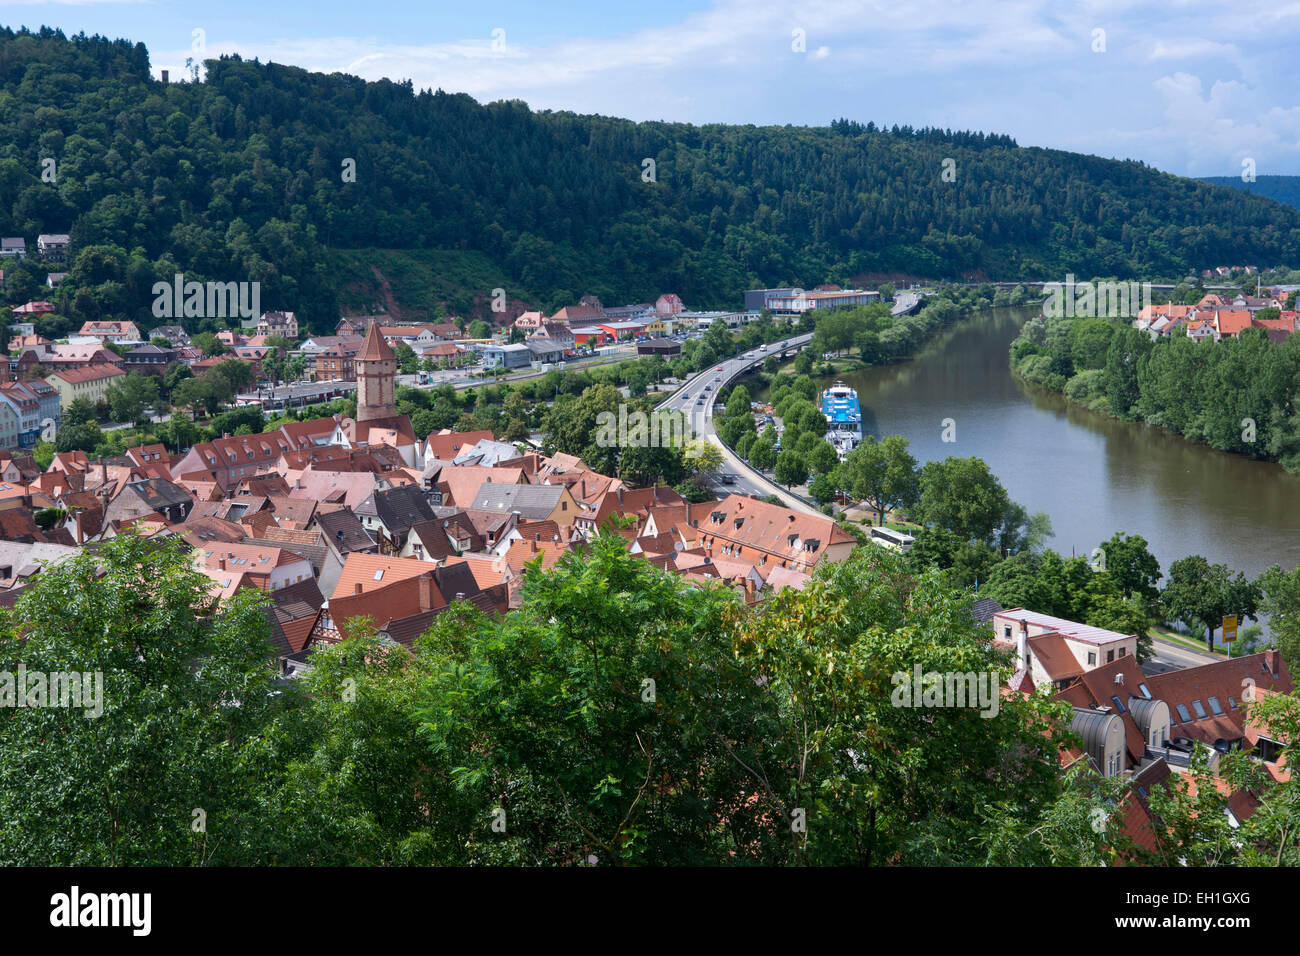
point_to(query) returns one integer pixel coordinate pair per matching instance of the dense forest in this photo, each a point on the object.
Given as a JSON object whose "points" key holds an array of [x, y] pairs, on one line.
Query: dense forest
{"points": [[268, 173], [1284, 189]]}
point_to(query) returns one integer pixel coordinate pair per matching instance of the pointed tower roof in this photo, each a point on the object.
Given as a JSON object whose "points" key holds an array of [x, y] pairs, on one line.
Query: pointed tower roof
{"points": [[375, 349]]}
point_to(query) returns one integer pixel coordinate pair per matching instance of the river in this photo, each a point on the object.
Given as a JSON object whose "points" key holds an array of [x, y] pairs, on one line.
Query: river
{"points": [[1093, 475]]}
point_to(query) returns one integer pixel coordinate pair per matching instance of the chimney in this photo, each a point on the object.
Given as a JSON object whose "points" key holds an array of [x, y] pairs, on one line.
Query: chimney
{"points": [[1270, 658], [426, 586], [164, 76], [1022, 642], [221, 564]]}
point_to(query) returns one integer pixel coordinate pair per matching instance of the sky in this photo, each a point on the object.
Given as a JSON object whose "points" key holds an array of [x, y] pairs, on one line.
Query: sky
{"points": [[1193, 88]]}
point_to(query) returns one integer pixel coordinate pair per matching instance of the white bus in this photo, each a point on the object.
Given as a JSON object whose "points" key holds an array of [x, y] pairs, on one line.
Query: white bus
{"points": [[889, 538]]}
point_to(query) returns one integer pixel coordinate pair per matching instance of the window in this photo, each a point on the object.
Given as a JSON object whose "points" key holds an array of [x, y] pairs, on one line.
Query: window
{"points": [[379, 575], [1232, 704], [1110, 656], [1092, 658], [1146, 692], [1006, 631], [1183, 715], [1123, 651], [1119, 704], [1199, 708], [1215, 707]]}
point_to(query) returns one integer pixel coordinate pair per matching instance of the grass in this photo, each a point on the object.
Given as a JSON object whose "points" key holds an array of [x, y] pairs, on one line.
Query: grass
{"points": [[1182, 640]]}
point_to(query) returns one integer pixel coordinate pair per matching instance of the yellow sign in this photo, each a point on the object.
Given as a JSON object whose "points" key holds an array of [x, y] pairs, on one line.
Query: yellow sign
{"points": [[1230, 629]]}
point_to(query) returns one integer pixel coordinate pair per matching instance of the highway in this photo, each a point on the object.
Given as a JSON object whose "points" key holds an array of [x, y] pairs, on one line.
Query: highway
{"points": [[717, 378]]}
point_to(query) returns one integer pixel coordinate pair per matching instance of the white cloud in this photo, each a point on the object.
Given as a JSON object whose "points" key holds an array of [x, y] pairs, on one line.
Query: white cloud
{"points": [[1019, 66]]}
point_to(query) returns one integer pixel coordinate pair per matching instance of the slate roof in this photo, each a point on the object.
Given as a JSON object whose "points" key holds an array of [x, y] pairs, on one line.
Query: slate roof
{"points": [[159, 493], [344, 531], [533, 502], [399, 508], [984, 609]]}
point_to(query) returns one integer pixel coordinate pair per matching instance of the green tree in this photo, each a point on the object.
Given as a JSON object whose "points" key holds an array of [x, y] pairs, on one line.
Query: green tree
{"points": [[79, 411], [132, 397], [185, 721], [881, 473], [1201, 593], [1134, 568], [791, 468], [209, 344], [1281, 602], [963, 496]]}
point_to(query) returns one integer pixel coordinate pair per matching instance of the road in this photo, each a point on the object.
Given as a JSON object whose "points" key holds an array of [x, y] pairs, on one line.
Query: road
{"points": [[1167, 656], [461, 378], [687, 398]]}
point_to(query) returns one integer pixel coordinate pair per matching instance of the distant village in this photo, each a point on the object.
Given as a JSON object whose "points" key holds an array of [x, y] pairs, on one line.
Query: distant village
{"points": [[1217, 317]]}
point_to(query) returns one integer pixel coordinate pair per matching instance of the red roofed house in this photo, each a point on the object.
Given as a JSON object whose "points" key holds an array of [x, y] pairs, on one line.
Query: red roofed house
{"points": [[91, 383], [1054, 649]]}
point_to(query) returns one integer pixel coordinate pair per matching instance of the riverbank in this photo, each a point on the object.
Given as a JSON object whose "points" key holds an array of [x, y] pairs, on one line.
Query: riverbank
{"points": [[1237, 395]]}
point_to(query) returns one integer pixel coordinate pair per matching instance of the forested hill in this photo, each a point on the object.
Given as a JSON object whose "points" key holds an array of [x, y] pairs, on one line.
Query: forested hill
{"points": [[1283, 189], [240, 177]]}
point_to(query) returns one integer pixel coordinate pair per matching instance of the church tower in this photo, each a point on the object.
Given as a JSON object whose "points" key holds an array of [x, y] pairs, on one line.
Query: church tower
{"points": [[376, 378]]}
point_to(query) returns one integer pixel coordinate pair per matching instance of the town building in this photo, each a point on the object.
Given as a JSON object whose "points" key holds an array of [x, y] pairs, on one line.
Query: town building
{"points": [[119, 333], [149, 359], [53, 247], [90, 382]]}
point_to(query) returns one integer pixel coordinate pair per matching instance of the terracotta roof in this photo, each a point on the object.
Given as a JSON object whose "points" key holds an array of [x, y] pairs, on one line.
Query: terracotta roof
{"points": [[447, 444], [199, 531], [90, 373], [1055, 656], [460, 484], [384, 589], [525, 552], [743, 527], [1227, 682], [485, 567], [376, 348], [374, 572]]}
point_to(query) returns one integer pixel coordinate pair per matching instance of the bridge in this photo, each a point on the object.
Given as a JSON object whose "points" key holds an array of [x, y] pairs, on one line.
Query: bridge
{"points": [[687, 399]]}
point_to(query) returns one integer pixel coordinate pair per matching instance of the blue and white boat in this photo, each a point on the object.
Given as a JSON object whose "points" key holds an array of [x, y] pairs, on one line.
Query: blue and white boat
{"points": [[843, 418]]}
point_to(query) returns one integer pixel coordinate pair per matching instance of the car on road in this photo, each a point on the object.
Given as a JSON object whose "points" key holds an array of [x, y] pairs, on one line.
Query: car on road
{"points": [[726, 478], [699, 401], [718, 369]]}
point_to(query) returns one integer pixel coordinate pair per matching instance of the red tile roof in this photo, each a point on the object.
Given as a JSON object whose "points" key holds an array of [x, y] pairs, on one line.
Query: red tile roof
{"points": [[376, 348]]}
